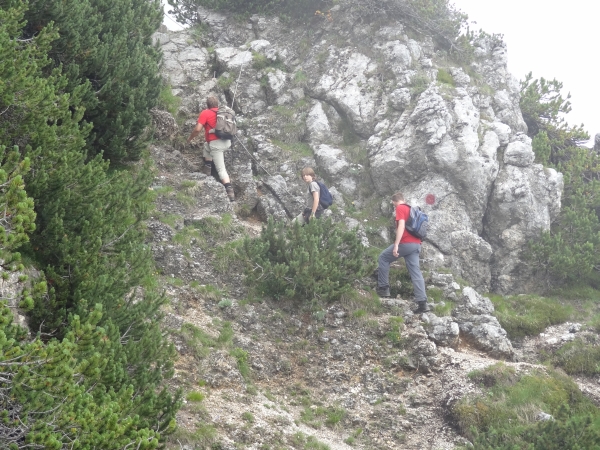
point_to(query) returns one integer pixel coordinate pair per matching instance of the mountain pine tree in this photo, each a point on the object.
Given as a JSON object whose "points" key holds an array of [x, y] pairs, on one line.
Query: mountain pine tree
{"points": [[89, 236], [106, 52], [316, 261], [570, 251]]}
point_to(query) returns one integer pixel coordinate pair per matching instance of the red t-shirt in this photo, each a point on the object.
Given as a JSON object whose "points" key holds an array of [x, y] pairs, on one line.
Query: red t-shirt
{"points": [[403, 213], [208, 119]]}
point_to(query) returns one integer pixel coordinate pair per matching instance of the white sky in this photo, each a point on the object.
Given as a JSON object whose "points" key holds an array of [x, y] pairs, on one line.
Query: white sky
{"points": [[552, 39]]}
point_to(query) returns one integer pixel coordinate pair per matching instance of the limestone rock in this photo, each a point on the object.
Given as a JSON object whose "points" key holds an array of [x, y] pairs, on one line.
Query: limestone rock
{"points": [[443, 330], [165, 126], [318, 124], [345, 86], [478, 326]]}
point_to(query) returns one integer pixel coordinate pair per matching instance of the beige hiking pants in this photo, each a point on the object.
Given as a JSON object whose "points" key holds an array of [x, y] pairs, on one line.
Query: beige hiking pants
{"points": [[215, 150]]}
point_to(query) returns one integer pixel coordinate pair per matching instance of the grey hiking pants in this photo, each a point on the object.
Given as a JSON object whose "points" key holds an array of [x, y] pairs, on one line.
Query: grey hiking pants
{"points": [[410, 253]]}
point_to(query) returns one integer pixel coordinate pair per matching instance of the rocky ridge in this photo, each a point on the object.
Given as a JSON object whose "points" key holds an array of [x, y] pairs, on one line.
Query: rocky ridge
{"points": [[355, 374], [376, 112], [372, 120]]}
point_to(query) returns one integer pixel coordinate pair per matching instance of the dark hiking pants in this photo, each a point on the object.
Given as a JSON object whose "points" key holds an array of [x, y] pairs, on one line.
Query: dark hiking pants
{"points": [[410, 253]]}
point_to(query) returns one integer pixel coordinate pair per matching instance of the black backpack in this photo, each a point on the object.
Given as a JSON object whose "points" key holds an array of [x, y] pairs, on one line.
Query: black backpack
{"points": [[325, 197], [226, 127]]}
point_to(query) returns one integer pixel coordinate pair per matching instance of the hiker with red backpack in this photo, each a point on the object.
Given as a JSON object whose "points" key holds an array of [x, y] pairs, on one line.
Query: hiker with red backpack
{"points": [[411, 227], [319, 197], [219, 129]]}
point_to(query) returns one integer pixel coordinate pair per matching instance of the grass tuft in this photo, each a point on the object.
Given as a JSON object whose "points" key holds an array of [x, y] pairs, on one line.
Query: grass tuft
{"points": [[529, 315]]}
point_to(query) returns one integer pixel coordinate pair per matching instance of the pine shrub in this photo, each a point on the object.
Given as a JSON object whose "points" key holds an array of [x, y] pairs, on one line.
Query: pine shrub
{"points": [[318, 261], [108, 59], [569, 251], [89, 239]]}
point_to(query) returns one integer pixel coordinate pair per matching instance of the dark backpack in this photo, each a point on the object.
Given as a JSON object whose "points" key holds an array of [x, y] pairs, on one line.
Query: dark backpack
{"points": [[226, 127], [417, 223], [325, 197]]}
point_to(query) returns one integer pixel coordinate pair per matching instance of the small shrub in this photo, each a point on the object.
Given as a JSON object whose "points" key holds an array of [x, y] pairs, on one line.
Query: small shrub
{"points": [[195, 397], [167, 101], [436, 294], [322, 57], [225, 82], [248, 417], [208, 292], [300, 78], [215, 227], [393, 335], [418, 84], [226, 334], [241, 356], [297, 149], [315, 416], [225, 303], [445, 77], [316, 261], [444, 309]]}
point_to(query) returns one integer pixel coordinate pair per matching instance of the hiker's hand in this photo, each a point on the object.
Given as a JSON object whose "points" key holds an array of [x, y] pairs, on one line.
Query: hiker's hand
{"points": [[312, 216], [395, 251]]}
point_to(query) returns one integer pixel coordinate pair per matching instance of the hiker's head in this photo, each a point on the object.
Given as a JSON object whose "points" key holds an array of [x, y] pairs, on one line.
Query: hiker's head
{"points": [[212, 102], [398, 199], [308, 172]]}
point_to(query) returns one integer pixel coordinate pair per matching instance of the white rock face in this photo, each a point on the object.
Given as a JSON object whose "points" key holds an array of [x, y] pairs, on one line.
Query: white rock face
{"points": [[347, 86], [460, 151], [318, 123], [232, 58]]}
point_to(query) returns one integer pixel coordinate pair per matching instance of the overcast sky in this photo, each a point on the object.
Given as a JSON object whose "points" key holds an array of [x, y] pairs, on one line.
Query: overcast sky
{"points": [[552, 39]]}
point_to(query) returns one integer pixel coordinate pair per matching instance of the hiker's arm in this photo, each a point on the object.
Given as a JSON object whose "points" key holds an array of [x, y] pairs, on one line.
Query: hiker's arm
{"points": [[315, 204], [195, 132], [399, 233]]}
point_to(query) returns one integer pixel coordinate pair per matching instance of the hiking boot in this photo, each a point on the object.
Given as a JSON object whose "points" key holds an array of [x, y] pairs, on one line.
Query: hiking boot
{"points": [[422, 307], [206, 170], [383, 292], [230, 193]]}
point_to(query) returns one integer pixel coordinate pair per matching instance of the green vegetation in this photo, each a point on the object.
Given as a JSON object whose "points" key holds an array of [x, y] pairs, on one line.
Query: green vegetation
{"points": [[297, 149], [319, 261], [97, 378], [529, 315], [109, 65], [579, 357], [167, 101], [248, 417], [443, 76], [511, 403], [241, 356], [418, 84], [315, 416], [569, 252], [260, 62], [195, 397], [301, 441], [396, 326]]}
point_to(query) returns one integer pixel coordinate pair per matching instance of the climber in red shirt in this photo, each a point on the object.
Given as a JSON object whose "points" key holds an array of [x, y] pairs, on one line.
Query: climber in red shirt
{"points": [[214, 147]]}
